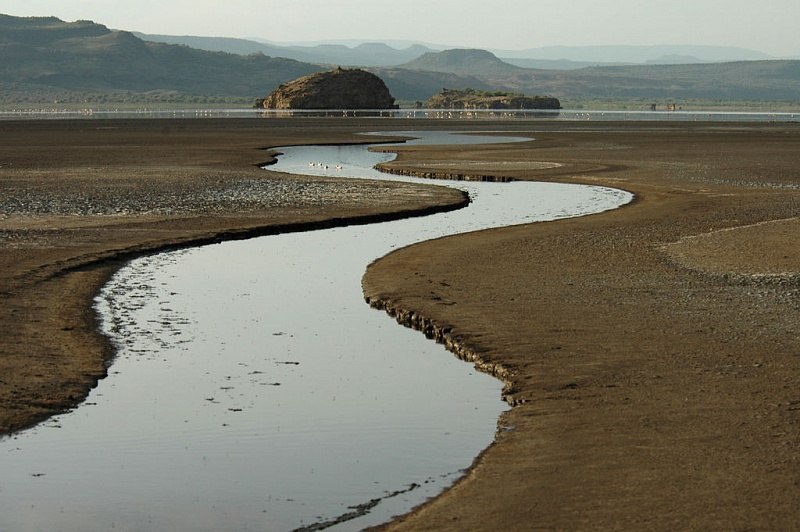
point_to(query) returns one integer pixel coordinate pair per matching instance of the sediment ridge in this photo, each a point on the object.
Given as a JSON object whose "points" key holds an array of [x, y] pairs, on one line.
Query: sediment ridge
{"points": [[451, 176]]}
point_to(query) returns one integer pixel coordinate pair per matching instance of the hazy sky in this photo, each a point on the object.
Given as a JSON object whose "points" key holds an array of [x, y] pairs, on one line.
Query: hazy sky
{"points": [[770, 26]]}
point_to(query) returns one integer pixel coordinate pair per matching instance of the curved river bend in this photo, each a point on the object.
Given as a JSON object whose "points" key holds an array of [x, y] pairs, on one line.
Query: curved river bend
{"points": [[255, 390]]}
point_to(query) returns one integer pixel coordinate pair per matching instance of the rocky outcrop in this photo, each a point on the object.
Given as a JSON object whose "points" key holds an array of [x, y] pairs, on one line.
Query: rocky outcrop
{"points": [[335, 89], [472, 99]]}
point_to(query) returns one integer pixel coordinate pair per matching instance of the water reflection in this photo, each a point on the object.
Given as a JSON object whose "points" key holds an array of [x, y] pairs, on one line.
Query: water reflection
{"points": [[254, 389]]}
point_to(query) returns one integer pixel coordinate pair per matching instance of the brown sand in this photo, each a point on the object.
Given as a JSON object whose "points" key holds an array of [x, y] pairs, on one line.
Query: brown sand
{"points": [[656, 372], [651, 352]]}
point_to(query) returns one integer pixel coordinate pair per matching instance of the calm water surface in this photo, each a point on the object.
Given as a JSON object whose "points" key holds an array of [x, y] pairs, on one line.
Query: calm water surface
{"points": [[255, 390]]}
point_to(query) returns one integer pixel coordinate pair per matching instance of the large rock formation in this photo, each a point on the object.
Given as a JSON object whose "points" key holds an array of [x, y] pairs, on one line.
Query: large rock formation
{"points": [[472, 99], [335, 89]]}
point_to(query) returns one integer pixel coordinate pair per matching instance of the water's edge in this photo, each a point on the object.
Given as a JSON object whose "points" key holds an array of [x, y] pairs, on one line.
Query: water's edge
{"points": [[117, 259], [441, 334]]}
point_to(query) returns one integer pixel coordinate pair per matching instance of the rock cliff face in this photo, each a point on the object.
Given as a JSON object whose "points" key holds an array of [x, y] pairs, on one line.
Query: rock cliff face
{"points": [[472, 99], [335, 89]]}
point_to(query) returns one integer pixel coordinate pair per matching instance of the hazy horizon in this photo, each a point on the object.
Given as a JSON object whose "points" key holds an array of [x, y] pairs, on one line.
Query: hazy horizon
{"points": [[515, 25]]}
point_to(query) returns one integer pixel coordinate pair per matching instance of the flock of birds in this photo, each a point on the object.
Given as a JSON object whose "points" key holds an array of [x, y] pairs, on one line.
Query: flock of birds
{"points": [[324, 166]]}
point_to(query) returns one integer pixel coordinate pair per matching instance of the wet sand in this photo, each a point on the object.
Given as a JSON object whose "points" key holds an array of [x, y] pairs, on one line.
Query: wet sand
{"points": [[652, 352]]}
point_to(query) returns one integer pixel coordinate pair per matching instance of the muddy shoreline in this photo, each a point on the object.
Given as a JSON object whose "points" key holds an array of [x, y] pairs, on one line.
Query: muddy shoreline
{"points": [[652, 351], [55, 256]]}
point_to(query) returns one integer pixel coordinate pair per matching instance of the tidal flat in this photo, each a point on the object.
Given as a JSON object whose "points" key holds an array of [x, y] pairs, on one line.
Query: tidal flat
{"points": [[650, 388]]}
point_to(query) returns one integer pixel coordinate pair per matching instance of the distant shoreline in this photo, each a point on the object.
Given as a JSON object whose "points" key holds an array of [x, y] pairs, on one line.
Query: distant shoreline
{"points": [[590, 113]]}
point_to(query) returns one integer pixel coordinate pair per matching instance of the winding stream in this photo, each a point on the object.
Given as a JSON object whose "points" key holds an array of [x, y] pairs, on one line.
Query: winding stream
{"points": [[255, 390]]}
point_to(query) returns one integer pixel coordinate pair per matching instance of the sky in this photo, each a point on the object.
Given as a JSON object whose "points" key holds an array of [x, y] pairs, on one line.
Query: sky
{"points": [[770, 26]]}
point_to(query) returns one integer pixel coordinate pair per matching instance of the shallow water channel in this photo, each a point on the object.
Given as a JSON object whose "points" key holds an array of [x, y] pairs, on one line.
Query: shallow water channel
{"points": [[255, 390]]}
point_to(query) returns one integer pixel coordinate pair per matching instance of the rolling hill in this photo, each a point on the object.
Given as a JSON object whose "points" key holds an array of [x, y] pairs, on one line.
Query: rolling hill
{"points": [[463, 62], [41, 59], [79, 56], [742, 80]]}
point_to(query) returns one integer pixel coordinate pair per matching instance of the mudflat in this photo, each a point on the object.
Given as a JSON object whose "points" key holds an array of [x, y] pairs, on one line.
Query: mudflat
{"points": [[651, 353], [79, 198]]}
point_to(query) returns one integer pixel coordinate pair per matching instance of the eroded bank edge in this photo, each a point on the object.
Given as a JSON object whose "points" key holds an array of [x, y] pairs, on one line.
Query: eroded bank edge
{"points": [[442, 334], [452, 176]]}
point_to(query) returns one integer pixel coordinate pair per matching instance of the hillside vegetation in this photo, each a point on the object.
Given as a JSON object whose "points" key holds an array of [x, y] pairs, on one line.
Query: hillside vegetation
{"points": [[47, 55], [48, 60]]}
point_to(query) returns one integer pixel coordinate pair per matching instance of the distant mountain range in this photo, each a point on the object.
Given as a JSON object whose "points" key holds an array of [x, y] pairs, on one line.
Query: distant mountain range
{"points": [[40, 57], [551, 57], [636, 54], [364, 54]]}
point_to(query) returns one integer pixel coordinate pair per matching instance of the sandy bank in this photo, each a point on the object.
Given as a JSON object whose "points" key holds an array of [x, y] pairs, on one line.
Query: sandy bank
{"points": [[655, 374]]}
